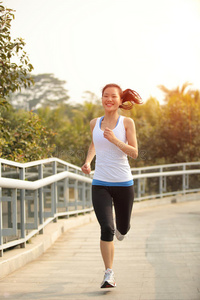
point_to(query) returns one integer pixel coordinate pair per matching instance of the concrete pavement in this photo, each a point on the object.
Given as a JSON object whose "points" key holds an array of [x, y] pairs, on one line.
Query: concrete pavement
{"points": [[159, 260]]}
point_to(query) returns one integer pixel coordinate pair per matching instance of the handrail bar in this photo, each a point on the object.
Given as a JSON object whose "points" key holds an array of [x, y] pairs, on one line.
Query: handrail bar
{"points": [[170, 173], [166, 166], [37, 162], [34, 185]]}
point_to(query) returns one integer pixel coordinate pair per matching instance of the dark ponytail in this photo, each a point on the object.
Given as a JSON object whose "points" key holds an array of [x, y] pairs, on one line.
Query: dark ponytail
{"points": [[129, 97]]}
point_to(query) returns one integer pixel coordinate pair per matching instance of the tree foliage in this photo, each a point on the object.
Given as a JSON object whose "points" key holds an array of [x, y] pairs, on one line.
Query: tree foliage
{"points": [[180, 125], [23, 138], [14, 62], [169, 133], [22, 135]]}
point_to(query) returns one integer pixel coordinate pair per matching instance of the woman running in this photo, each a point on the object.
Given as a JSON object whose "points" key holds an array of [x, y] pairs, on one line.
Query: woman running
{"points": [[113, 139]]}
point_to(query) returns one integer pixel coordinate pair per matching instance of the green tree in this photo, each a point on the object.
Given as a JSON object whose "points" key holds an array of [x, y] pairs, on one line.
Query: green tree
{"points": [[14, 62], [178, 138], [23, 138], [22, 135]]}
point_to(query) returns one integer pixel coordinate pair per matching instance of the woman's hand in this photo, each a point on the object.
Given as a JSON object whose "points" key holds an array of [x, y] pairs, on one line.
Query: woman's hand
{"points": [[131, 149], [109, 135], [86, 168]]}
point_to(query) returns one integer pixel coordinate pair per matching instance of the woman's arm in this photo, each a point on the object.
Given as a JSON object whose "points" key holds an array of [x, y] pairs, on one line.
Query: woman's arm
{"points": [[131, 149], [91, 152]]}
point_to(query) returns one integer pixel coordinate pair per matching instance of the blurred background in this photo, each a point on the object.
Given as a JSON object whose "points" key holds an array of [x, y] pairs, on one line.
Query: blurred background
{"points": [[56, 56]]}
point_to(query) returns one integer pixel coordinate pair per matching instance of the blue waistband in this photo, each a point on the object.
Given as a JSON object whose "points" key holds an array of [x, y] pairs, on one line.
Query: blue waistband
{"points": [[105, 183]]}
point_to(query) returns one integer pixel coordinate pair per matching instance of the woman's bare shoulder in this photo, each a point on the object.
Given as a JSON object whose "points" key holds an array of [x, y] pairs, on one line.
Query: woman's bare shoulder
{"points": [[93, 123], [129, 122]]}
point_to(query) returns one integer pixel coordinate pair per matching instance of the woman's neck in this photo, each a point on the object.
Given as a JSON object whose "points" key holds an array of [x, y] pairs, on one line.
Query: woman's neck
{"points": [[111, 116], [109, 120]]}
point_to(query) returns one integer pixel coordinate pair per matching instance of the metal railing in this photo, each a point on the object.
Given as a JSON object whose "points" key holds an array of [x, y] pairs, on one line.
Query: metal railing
{"points": [[37, 193], [166, 180]]}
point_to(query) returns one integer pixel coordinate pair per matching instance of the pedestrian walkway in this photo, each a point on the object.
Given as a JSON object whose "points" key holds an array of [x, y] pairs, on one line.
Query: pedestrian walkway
{"points": [[159, 260]]}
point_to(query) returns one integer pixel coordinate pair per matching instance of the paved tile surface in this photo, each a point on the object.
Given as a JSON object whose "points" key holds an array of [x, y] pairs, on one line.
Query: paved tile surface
{"points": [[159, 260]]}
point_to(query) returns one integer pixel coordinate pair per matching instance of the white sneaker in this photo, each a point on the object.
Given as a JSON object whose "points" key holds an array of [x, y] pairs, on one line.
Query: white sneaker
{"points": [[119, 236], [109, 280]]}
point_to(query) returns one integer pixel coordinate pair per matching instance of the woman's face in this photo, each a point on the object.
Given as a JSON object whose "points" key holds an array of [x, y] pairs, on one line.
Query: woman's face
{"points": [[111, 99]]}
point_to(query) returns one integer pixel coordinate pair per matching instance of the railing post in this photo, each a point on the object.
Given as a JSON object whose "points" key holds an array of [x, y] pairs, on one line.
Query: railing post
{"points": [[183, 180], [54, 191], [1, 216], [22, 208], [14, 211], [160, 184], [83, 195], [10, 213], [41, 198], [76, 193], [36, 208], [66, 192]]}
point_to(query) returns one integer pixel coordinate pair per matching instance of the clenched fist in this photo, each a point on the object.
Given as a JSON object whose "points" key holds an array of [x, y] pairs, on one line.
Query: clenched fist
{"points": [[109, 135], [86, 168]]}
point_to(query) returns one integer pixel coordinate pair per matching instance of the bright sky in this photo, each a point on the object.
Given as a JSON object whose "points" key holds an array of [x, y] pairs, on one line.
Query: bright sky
{"points": [[137, 44]]}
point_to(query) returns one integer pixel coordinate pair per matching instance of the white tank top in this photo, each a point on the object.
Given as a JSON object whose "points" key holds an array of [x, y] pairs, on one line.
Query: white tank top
{"points": [[111, 165]]}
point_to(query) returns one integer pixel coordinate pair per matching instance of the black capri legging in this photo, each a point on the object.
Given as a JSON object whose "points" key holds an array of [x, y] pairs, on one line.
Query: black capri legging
{"points": [[103, 198]]}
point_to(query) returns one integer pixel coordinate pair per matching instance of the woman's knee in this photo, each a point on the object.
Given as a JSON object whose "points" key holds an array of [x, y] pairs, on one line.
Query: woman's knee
{"points": [[124, 229], [107, 233]]}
